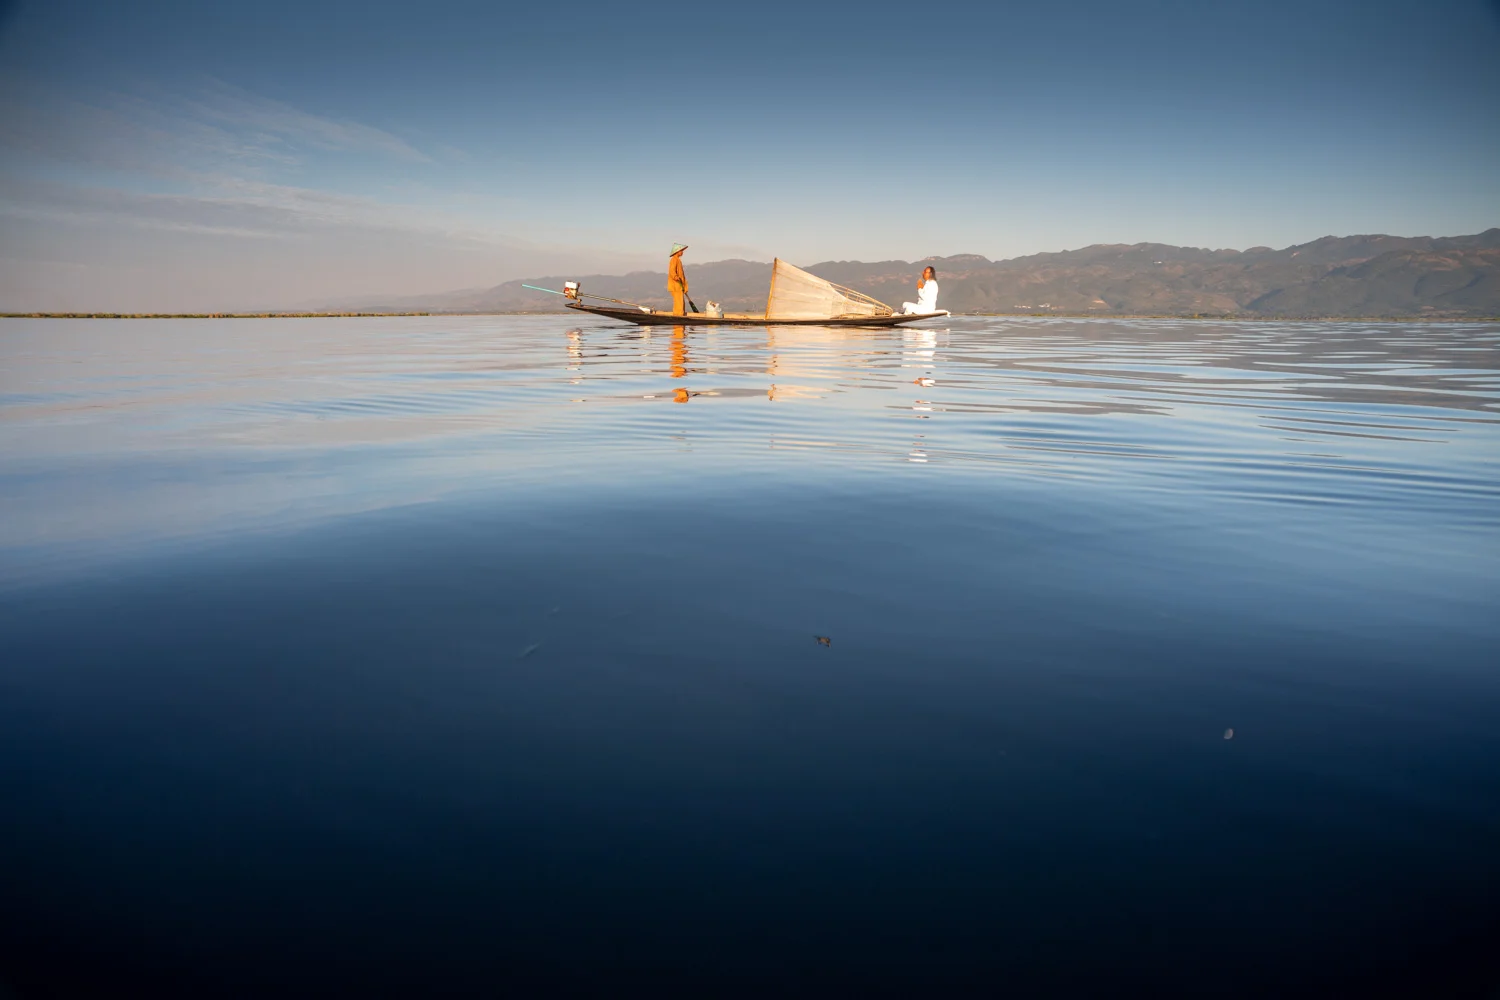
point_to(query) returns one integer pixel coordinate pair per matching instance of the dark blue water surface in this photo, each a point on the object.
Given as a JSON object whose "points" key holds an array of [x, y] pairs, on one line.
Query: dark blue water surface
{"points": [[1030, 657]]}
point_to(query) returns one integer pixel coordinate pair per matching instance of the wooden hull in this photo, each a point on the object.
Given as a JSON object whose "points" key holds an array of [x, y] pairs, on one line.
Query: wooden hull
{"points": [[740, 319]]}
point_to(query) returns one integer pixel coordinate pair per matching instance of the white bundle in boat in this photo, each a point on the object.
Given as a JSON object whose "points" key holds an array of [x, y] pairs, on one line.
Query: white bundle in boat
{"points": [[796, 294]]}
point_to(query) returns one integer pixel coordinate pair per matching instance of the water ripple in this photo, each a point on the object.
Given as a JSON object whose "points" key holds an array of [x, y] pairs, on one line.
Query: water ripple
{"points": [[1400, 417]]}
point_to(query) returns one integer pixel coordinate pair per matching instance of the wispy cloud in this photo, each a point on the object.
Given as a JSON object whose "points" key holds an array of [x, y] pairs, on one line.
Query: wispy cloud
{"points": [[272, 122], [230, 206], [216, 128], [220, 160], [223, 198]]}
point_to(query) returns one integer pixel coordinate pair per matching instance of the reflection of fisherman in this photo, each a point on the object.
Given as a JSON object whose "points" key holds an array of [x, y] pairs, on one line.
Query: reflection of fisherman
{"points": [[679, 352], [676, 280], [927, 289], [679, 361]]}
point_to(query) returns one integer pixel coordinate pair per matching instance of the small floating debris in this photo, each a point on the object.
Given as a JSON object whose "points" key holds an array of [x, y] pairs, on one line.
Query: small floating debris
{"points": [[824, 640], [529, 650], [1229, 734]]}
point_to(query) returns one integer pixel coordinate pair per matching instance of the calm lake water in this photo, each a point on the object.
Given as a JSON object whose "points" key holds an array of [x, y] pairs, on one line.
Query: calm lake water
{"points": [[452, 654]]}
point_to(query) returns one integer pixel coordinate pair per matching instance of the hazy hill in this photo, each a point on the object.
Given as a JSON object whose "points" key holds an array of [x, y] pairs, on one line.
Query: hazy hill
{"points": [[1356, 276]]}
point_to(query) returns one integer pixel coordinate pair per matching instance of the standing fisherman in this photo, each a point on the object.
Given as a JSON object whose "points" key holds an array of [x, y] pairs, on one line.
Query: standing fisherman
{"points": [[676, 280]]}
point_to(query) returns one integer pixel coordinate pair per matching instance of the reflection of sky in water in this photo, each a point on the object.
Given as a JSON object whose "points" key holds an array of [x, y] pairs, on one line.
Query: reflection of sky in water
{"points": [[115, 434], [511, 647]]}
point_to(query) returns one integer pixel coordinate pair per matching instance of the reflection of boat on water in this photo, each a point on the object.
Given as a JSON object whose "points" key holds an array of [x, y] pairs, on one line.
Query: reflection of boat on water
{"points": [[653, 318], [796, 297]]}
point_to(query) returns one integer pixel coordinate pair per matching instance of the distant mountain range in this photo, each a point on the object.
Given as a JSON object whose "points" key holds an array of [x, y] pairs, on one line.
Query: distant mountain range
{"points": [[1350, 276]]}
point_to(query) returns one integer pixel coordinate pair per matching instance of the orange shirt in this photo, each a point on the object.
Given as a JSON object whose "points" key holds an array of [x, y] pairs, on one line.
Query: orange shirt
{"points": [[675, 277]]}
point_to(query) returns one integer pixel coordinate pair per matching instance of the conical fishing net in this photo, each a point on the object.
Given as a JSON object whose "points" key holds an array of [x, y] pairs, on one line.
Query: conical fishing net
{"points": [[796, 294]]}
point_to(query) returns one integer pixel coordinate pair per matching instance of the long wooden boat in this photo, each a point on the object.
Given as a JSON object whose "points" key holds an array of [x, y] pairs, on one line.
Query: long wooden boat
{"points": [[796, 298], [651, 317]]}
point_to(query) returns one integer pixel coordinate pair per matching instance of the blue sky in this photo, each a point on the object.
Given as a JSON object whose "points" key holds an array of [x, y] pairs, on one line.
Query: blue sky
{"points": [[159, 155]]}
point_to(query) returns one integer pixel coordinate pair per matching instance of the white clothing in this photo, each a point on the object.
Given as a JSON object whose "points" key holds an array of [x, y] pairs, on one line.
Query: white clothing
{"points": [[926, 300]]}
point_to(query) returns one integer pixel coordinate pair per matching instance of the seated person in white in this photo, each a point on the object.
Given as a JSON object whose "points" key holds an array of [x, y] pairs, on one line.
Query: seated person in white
{"points": [[927, 289]]}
